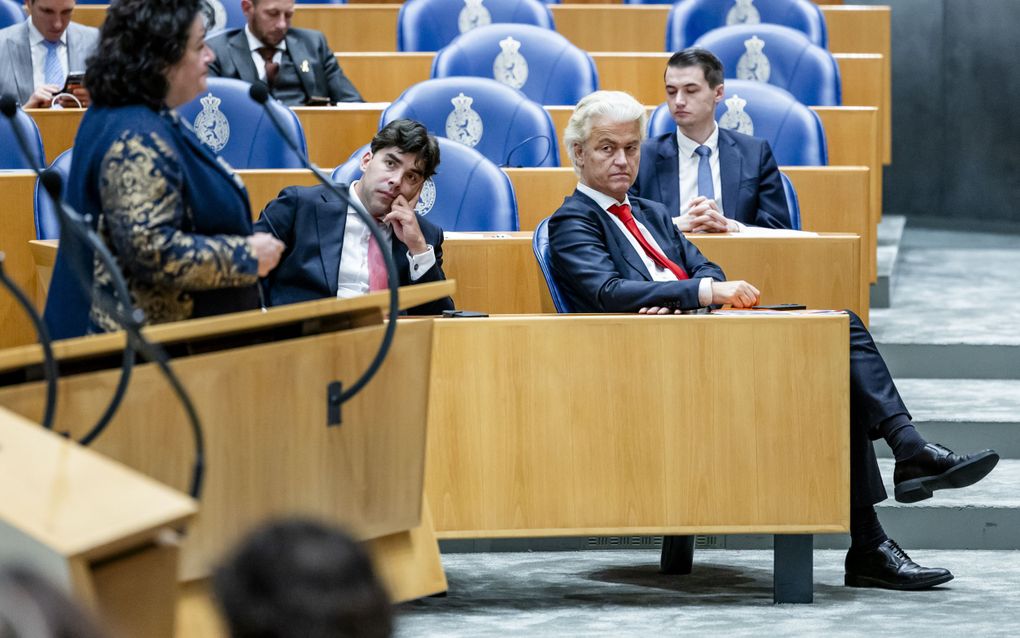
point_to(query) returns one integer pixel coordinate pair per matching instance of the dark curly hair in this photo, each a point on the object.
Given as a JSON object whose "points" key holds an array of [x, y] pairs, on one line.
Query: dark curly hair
{"points": [[139, 41], [410, 137]]}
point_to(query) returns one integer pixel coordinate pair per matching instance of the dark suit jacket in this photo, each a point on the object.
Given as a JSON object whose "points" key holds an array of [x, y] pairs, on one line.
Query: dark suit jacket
{"points": [[752, 190], [311, 221], [324, 76], [598, 270]]}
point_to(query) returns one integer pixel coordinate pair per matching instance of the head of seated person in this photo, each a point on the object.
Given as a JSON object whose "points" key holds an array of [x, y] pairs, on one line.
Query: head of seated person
{"points": [[301, 578]]}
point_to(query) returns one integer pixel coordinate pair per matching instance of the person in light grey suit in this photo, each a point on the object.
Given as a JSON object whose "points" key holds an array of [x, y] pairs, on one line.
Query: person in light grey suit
{"points": [[24, 71], [296, 64]]}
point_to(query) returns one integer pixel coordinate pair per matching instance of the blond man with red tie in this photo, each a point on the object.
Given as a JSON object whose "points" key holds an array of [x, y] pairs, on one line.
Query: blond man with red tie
{"points": [[614, 253]]}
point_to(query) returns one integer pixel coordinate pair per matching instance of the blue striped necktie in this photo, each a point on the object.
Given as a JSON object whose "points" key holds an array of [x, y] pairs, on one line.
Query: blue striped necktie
{"points": [[53, 72], [706, 186]]}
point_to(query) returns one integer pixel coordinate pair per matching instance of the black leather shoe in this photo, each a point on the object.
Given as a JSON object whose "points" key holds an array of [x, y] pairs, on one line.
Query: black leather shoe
{"points": [[889, 566], [937, 468]]}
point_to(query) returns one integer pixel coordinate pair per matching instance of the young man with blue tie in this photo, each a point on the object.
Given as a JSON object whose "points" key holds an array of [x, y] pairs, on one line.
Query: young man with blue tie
{"points": [[710, 179], [612, 252]]}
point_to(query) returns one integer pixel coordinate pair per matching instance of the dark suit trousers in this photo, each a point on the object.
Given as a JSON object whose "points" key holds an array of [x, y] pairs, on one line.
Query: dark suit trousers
{"points": [[873, 399]]}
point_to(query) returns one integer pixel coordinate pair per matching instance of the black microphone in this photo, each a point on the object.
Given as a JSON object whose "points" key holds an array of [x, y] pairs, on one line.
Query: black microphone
{"points": [[131, 320], [259, 92]]}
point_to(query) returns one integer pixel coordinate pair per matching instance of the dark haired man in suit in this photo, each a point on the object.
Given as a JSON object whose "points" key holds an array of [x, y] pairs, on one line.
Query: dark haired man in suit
{"points": [[710, 179], [330, 252], [296, 64], [615, 253]]}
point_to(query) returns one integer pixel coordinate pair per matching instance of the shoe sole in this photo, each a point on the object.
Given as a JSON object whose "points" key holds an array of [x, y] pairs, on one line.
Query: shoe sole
{"points": [[961, 475], [853, 580]]}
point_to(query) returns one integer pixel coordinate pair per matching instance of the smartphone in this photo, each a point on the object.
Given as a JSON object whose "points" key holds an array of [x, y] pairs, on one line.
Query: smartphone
{"points": [[74, 81], [781, 306], [317, 100]]}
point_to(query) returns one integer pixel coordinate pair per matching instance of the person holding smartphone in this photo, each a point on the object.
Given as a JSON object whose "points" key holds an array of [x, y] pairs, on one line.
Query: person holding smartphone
{"points": [[331, 253], [44, 56]]}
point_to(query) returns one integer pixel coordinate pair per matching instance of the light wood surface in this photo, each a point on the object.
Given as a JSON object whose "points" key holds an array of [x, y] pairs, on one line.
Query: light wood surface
{"points": [[269, 451], [497, 273], [646, 425], [17, 227], [92, 525]]}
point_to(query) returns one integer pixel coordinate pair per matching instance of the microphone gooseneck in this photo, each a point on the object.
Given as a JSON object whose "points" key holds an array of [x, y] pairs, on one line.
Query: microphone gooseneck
{"points": [[129, 318], [259, 92]]}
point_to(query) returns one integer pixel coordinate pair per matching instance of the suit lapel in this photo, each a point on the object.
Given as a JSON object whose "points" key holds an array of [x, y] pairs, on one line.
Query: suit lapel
{"points": [[667, 169], [21, 60], [299, 56], [730, 170], [614, 234], [331, 222], [240, 55]]}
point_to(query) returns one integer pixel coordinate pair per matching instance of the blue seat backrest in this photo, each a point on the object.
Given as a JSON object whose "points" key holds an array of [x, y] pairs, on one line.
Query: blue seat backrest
{"points": [[10, 13], [793, 130], [785, 58], [688, 20], [543, 64], [47, 219], [430, 25], [236, 127], [540, 244], [792, 203], [499, 122], [467, 193], [11, 157]]}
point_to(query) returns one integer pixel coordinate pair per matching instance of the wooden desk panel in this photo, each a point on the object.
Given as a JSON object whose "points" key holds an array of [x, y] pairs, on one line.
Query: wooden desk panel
{"points": [[497, 273], [17, 227], [568, 426]]}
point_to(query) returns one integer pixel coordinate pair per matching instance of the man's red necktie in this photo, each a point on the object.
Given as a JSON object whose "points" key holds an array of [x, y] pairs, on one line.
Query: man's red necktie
{"points": [[622, 211]]}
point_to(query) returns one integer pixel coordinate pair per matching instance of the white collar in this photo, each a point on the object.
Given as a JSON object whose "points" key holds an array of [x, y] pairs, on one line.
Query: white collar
{"points": [[255, 44], [603, 200], [354, 198], [35, 37], [686, 145]]}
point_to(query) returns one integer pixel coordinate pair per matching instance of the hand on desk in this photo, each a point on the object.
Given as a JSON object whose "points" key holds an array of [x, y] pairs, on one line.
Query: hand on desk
{"points": [[738, 294], [703, 216]]}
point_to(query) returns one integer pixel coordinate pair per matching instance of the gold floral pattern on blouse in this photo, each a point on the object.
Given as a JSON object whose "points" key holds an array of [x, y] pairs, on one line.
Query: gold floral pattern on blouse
{"points": [[145, 222]]}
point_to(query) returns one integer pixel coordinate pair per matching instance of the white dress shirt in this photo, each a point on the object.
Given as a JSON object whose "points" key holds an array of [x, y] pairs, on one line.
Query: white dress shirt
{"points": [[254, 44], [352, 279], [688, 164], [655, 271], [39, 50]]}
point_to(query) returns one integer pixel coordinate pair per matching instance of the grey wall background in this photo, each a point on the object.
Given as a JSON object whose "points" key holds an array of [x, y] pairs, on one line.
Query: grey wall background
{"points": [[956, 112]]}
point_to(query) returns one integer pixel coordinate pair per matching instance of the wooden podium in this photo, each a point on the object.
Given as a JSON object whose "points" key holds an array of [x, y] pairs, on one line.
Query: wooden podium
{"points": [[259, 381], [104, 531]]}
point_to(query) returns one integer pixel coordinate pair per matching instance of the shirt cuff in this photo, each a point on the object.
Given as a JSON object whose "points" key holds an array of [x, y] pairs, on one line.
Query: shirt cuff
{"points": [[420, 264], [705, 291]]}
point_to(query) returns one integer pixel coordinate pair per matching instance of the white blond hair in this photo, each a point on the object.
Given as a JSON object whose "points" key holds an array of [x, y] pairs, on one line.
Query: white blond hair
{"points": [[612, 106]]}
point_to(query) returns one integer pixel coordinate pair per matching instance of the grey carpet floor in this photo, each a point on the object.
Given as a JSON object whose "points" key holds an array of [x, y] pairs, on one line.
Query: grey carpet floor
{"points": [[621, 593]]}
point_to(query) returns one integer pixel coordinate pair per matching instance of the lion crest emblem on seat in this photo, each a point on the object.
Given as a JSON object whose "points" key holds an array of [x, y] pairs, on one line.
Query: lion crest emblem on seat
{"points": [[427, 198], [211, 125], [754, 64], [743, 12], [473, 15], [214, 15], [463, 124], [510, 67], [735, 118]]}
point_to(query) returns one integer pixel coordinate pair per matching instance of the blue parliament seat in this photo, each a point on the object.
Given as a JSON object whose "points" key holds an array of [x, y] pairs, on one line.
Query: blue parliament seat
{"points": [[540, 244], [543, 64], [499, 122], [779, 56], [792, 202], [467, 193], [688, 20], [793, 130], [430, 25], [11, 157], [47, 218], [10, 13], [227, 120]]}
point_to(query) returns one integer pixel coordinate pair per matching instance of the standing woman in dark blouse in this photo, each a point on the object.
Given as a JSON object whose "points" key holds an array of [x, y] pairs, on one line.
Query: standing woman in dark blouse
{"points": [[173, 213]]}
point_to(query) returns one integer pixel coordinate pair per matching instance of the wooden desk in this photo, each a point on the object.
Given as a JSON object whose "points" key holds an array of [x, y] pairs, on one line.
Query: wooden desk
{"points": [[497, 273], [17, 227], [365, 474], [623, 425], [373, 27]]}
